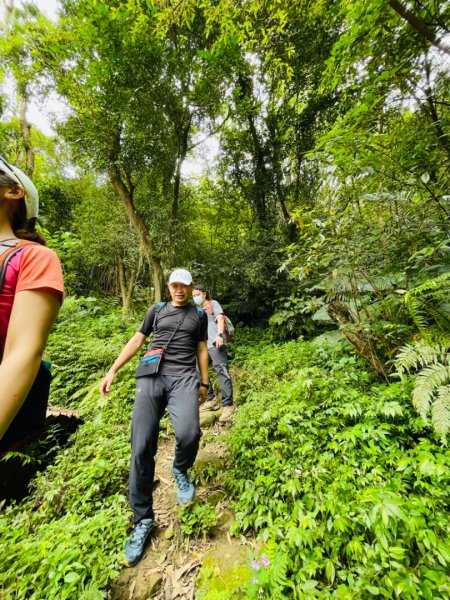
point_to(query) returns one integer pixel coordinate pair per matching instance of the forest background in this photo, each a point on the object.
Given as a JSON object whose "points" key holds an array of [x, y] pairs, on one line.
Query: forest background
{"points": [[325, 213]]}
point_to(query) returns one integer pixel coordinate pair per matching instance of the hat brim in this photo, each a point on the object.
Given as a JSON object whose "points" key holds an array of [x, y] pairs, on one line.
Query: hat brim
{"points": [[178, 280], [31, 193]]}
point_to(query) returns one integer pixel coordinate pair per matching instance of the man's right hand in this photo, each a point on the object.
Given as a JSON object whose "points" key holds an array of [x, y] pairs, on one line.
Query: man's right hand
{"points": [[106, 383]]}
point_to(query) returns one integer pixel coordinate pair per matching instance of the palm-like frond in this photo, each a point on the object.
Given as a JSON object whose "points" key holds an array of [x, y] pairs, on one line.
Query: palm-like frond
{"points": [[440, 412], [428, 381], [425, 301], [420, 354], [431, 356], [437, 286]]}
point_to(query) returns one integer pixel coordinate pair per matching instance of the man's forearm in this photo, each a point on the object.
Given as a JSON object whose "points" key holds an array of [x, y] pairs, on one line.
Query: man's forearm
{"points": [[128, 351]]}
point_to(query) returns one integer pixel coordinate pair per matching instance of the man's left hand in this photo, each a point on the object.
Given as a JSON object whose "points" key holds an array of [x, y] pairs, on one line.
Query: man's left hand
{"points": [[202, 392], [218, 342]]}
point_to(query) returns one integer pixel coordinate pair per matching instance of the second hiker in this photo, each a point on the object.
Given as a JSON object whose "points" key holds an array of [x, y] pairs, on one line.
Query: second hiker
{"points": [[218, 353]]}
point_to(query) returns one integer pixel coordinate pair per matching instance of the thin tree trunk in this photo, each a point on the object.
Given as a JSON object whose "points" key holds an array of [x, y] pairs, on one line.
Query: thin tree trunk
{"points": [[25, 128], [122, 281], [126, 196], [258, 195], [182, 152], [183, 139], [364, 345], [127, 284]]}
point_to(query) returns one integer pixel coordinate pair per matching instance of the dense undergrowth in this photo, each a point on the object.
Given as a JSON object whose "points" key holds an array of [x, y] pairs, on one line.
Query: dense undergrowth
{"points": [[345, 484], [82, 347], [349, 488], [66, 539]]}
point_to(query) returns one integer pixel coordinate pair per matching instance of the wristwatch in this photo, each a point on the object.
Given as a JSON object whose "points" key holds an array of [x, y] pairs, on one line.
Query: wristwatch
{"points": [[220, 335], [205, 385]]}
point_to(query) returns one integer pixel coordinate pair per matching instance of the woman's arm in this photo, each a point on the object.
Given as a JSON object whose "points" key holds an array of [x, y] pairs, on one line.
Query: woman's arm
{"points": [[32, 318], [218, 342]]}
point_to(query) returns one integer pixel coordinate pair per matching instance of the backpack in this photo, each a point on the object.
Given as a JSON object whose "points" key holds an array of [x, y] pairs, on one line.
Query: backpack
{"points": [[229, 327]]}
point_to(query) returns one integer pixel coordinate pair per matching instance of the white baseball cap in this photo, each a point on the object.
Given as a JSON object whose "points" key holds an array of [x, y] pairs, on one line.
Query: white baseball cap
{"points": [[31, 193], [180, 276]]}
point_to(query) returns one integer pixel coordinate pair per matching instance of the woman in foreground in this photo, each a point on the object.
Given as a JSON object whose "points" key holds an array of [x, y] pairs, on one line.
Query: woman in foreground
{"points": [[31, 293]]}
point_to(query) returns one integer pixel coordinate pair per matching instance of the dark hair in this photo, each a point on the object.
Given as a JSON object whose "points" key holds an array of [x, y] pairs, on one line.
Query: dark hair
{"points": [[23, 229], [201, 288]]}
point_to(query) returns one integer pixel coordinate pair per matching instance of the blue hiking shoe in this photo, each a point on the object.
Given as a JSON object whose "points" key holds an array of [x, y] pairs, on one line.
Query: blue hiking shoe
{"points": [[185, 488], [134, 548]]}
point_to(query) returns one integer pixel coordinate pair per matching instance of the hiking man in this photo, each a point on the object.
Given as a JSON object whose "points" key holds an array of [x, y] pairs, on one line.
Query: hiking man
{"points": [[180, 329], [218, 355]]}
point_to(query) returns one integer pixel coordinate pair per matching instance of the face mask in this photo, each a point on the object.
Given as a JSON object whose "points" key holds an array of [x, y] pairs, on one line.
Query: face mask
{"points": [[198, 300]]}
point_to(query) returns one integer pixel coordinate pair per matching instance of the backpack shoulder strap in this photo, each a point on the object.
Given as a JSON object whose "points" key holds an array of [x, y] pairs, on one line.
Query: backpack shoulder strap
{"points": [[8, 248], [201, 314], [158, 307]]}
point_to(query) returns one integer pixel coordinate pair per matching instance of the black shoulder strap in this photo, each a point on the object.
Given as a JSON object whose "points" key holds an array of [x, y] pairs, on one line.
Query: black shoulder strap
{"points": [[178, 325], [202, 315], [158, 307]]}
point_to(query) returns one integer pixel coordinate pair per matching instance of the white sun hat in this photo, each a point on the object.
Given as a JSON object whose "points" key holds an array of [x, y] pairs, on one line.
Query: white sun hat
{"points": [[180, 276], [31, 193]]}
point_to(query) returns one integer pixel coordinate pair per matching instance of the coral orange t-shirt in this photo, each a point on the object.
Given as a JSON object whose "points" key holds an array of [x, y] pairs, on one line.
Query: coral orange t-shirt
{"points": [[33, 268]]}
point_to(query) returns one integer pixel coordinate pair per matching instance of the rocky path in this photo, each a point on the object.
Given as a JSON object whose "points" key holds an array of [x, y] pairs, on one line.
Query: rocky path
{"points": [[172, 561]]}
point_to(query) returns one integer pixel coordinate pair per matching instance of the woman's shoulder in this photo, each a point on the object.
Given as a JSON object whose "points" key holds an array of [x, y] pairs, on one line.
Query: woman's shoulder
{"points": [[33, 250], [216, 307], [39, 268]]}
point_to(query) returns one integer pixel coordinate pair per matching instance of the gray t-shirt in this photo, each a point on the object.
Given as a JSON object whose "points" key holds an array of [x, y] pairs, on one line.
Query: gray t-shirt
{"points": [[180, 358], [212, 323]]}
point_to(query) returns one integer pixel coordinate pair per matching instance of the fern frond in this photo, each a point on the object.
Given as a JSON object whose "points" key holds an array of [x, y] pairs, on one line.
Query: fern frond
{"points": [[431, 286], [441, 338], [419, 354], [427, 382], [440, 411], [417, 309], [439, 316], [427, 301]]}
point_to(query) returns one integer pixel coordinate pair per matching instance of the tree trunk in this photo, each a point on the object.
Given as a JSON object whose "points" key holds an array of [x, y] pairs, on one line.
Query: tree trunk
{"points": [[149, 248], [127, 284], [262, 182], [183, 139], [25, 128], [360, 339]]}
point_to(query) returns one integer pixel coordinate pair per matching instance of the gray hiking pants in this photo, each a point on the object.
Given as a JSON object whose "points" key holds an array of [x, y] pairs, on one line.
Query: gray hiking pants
{"points": [[153, 395], [219, 360]]}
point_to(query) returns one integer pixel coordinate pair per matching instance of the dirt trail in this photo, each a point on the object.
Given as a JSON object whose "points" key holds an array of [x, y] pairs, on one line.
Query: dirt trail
{"points": [[170, 564]]}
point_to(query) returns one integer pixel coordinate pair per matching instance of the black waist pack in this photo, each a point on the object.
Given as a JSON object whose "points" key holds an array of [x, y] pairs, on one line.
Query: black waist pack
{"points": [[31, 417], [150, 363]]}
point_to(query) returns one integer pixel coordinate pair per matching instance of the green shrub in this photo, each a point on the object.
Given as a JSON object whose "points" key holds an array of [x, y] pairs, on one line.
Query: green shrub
{"points": [[197, 519], [83, 345], [339, 477]]}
